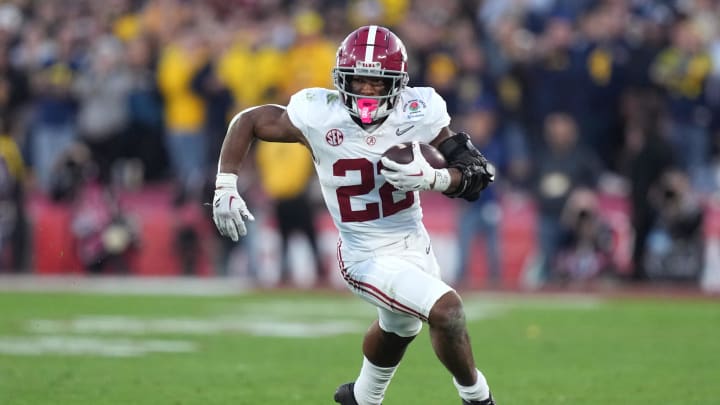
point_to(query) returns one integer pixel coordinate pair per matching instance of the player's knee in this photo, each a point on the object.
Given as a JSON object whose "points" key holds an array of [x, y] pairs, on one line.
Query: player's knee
{"points": [[394, 340], [401, 326], [447, 313]]}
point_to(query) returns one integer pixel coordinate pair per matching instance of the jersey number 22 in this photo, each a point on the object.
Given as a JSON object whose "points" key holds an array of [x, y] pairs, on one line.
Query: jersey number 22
{"points": [[387, 206]]}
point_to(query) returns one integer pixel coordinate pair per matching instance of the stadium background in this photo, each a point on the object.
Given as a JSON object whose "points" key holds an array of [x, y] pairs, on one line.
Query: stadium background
{"points": [[105, 104]]}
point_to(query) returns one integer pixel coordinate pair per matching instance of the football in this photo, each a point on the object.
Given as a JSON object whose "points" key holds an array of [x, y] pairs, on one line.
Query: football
{"points": [[403, 153]]}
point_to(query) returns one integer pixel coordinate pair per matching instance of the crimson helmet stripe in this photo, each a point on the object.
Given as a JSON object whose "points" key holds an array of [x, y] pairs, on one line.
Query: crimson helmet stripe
{"points": [[370, 48]]}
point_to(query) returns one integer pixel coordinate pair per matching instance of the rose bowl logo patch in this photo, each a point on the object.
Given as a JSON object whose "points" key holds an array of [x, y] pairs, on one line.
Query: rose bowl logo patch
{"points": [[414, 108]]}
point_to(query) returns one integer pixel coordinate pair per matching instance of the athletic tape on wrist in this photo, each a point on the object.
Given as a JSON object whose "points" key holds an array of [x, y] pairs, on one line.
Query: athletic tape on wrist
{"points": [[442, 180]]}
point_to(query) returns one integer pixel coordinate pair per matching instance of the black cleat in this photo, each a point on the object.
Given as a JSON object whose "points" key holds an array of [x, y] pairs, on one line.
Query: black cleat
{"points": [[488, 401], [344, 395]]}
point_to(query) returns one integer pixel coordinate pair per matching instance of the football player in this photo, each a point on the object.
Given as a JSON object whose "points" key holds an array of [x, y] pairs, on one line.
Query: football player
{"points": [[384, 251]]}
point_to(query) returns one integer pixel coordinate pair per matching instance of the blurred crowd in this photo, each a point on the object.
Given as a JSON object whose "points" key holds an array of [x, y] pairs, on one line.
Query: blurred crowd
{"points": [[569, 98]]}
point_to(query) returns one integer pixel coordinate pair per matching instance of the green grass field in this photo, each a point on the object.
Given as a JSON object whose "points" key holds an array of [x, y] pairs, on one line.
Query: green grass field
{"points": [[280, 348]]}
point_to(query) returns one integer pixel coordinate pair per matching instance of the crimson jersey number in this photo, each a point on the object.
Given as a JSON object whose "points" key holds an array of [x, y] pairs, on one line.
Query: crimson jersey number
{"points": [[387, 205]]}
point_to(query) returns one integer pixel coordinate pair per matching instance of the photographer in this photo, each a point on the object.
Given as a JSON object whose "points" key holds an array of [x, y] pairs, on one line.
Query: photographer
{"points": [[586, 244], [675, 246], [104, 237]]}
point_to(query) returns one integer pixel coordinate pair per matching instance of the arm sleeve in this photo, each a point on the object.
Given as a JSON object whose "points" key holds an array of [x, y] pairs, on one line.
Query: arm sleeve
{"points": [[297, 110], [438, 117]]}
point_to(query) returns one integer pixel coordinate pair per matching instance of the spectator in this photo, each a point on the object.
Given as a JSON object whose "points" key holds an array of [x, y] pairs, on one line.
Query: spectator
{"points": [[145, 108], [14, 94], [255, 51], [289, 185], [601, 55], [102, 93], [208, 84], [54, 126], [645, 156], [559, 168], [310, 57], [675, 244], [682, 70], [184, 112], [441, 75], [211, 82], [483, 216], [553, 74], [13, 221]]}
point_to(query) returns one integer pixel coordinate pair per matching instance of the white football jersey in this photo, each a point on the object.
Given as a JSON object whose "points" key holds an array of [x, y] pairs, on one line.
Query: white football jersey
{"points": [[369, 213]]}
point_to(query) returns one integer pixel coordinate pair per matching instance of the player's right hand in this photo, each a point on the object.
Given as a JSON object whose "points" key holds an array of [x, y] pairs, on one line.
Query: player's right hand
{"points": [[416, 175], [229, 209]]}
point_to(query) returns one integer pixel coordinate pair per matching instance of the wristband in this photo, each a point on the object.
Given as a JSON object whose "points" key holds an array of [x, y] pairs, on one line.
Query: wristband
{"points": [[226, 180], [442, 180]]}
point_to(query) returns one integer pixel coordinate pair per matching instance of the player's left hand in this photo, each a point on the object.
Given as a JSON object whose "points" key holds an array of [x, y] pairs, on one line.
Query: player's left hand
{"points": [[415, 176]]}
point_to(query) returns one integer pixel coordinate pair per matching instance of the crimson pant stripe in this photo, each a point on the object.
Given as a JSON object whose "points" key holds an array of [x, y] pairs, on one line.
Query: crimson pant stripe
{"points": [[341, 263], [382, 297], [377, 296]]}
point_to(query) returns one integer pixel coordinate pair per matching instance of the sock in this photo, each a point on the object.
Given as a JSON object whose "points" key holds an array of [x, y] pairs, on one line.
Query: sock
{"points": [[480, 391], [372, 382]]}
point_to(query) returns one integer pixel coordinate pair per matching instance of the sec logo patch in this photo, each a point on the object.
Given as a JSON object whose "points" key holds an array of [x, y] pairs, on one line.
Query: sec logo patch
{"points": [[334, 137]]}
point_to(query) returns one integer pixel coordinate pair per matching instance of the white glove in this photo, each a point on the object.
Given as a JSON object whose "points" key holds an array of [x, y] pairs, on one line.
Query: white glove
{"points": [[229, 209], [416, 175]]}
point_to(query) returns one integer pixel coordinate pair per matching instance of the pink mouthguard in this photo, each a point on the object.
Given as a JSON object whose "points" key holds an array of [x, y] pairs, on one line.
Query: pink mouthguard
{"points": [[367, 106]]}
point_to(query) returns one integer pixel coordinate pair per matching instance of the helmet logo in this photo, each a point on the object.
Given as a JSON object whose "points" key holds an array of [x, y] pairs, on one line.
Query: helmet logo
{"points": [[334, 137]]}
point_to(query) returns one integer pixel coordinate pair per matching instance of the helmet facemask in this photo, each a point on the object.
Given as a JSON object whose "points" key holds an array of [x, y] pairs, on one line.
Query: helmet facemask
{"points": [[369, 108]]}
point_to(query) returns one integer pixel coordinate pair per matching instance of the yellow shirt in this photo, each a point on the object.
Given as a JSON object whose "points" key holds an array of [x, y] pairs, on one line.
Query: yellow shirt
{"points": [[308, 64], [284, 168], [250, 75], [184, 110], [127, 27], [10, 153], [682, 74]]}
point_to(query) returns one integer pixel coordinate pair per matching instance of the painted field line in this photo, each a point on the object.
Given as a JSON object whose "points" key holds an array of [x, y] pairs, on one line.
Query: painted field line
{"points": [[81, 345], [210, 286]]}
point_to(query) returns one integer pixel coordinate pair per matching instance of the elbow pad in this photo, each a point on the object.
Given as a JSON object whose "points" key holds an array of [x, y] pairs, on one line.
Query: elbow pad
{"points": [[476, 171]]}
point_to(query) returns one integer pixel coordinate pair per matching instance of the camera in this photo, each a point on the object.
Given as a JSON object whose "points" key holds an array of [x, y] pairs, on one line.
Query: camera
{"points": [[669, 194], [584, 214]]}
